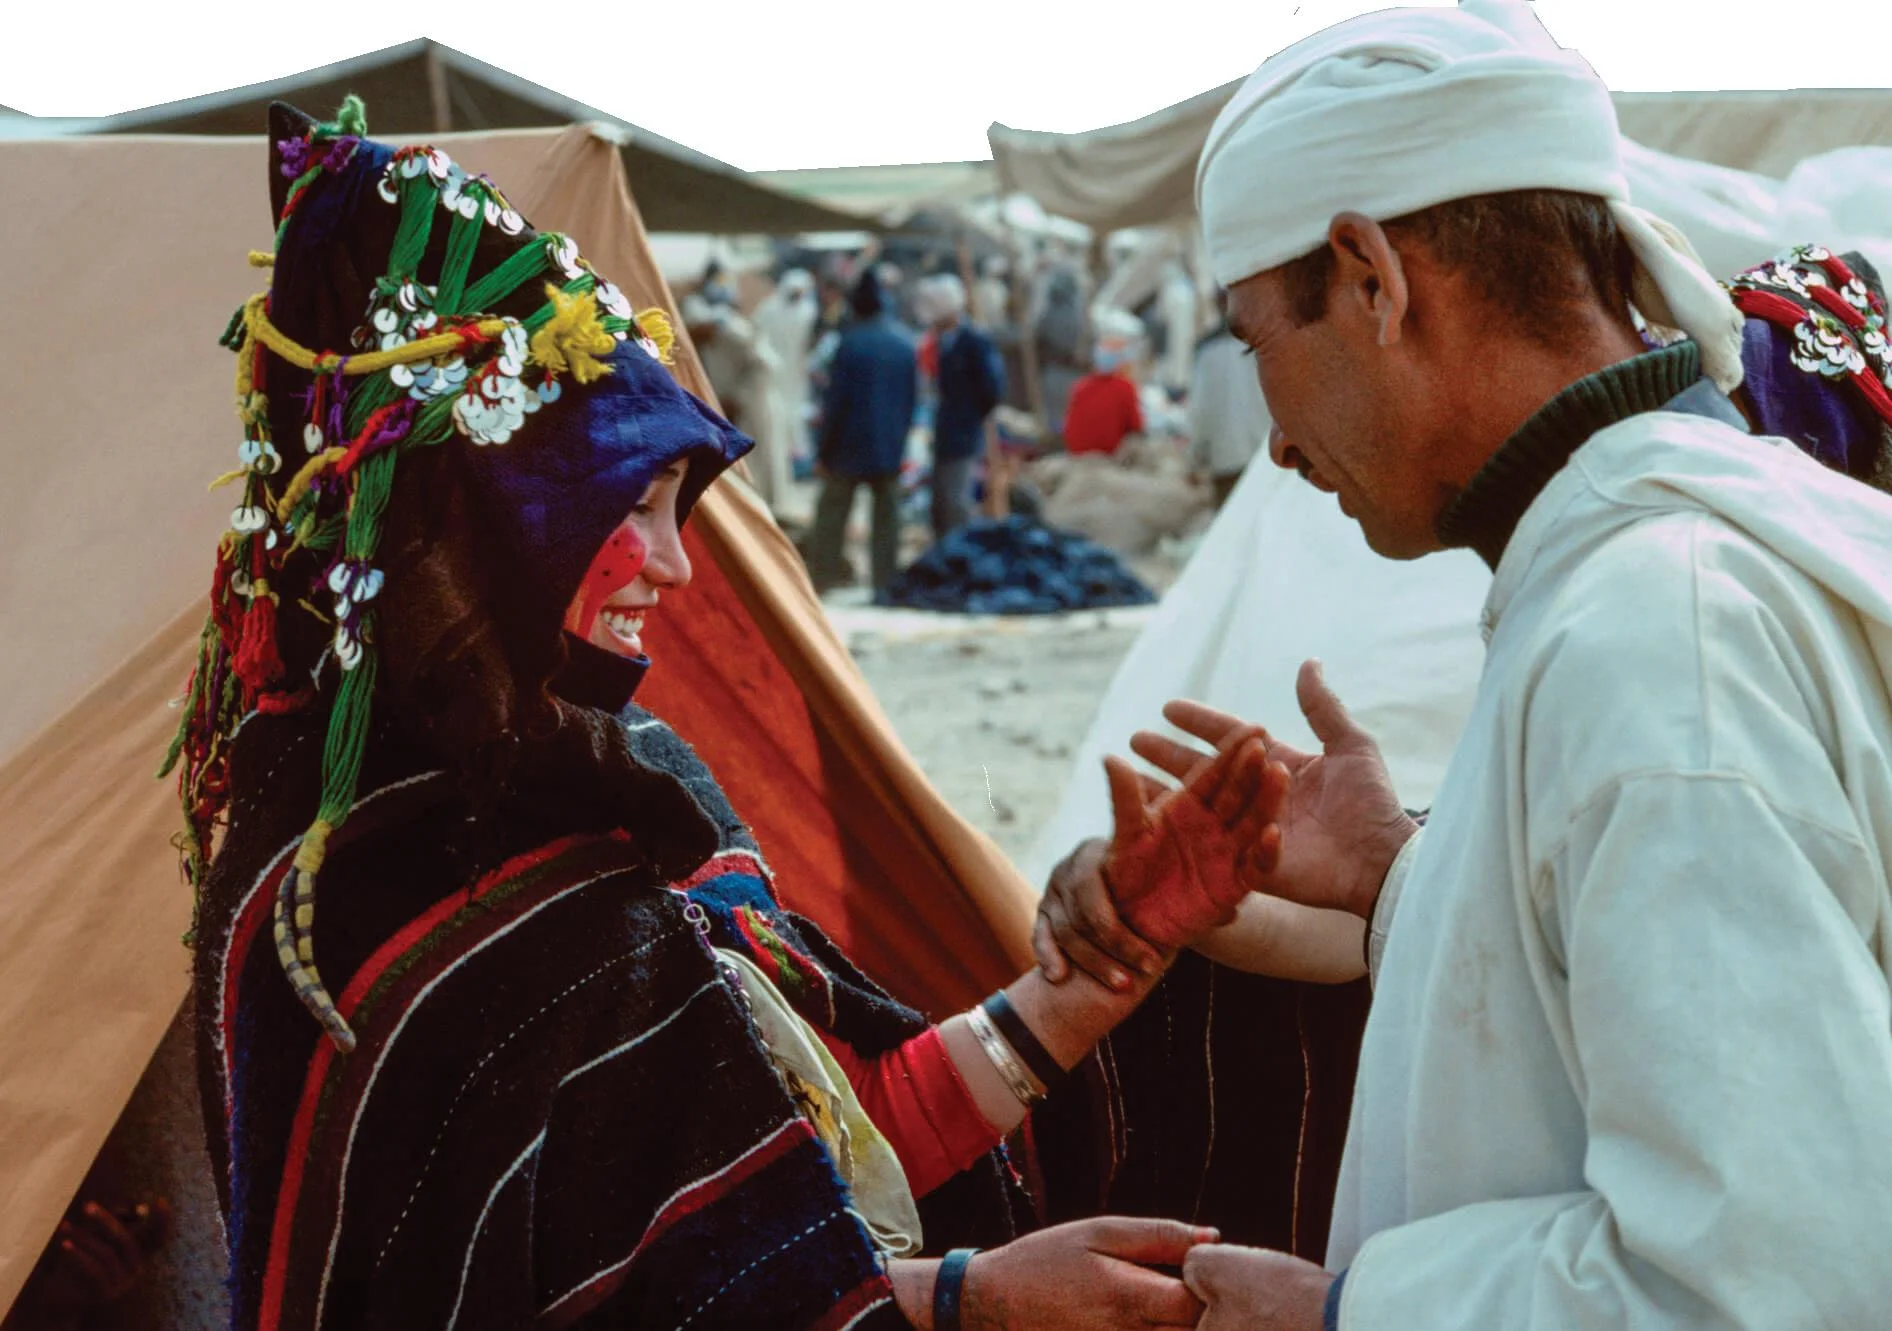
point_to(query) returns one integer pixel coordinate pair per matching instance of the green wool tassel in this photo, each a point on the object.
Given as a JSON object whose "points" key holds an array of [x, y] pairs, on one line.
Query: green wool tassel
{"points": [[347, 739], [351, 119], [519, 268], [206, 646], [419, 198], [462, 241]]}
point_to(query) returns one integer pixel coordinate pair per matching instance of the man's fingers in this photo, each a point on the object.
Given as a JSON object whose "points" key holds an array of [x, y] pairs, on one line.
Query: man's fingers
{"points": [[1063, 921], [1207, 1268], [1201, 720], [1180, 760], [1325, 713], [1147, 1242], [1126, 799], [1044, 947], [1116, 947], [1148, 1298]]}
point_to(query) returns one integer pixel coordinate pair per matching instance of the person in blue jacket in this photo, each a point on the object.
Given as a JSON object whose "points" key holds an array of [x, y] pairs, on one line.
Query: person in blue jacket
{"points": [[971, 378], [866, 414]]}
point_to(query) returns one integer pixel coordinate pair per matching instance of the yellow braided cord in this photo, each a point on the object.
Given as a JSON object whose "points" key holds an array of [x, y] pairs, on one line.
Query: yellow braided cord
{"points": [[573, 338], [262, 259], [252, 407], [303, 976], [371, 362], [299, 484]]}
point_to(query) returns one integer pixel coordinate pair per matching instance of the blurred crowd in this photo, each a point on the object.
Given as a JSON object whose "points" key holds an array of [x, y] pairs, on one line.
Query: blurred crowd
{"points": [[1097, 391]]}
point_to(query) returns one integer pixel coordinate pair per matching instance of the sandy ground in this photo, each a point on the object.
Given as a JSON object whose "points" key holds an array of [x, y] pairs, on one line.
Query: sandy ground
{"points": [[992, 709]]}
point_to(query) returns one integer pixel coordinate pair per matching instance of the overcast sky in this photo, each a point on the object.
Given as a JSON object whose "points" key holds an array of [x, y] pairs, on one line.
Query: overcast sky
{"points": [[854, 82]]}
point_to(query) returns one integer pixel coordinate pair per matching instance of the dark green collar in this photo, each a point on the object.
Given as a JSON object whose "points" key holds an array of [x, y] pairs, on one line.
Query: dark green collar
{"points": [[1487, 511]]}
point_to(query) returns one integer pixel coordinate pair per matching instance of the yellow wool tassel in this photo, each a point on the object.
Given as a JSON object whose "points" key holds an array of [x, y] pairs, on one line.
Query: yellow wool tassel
{"points": [[655, 325], [228, 477], [574, 338], [262, 259]]}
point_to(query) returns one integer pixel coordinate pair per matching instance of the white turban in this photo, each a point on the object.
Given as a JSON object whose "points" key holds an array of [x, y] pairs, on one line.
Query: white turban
{"points": [[1393, 112]]}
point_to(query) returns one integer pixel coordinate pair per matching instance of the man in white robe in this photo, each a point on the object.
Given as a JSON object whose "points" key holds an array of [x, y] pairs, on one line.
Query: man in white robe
{"points": [[1629, 1062], [785, 322]]}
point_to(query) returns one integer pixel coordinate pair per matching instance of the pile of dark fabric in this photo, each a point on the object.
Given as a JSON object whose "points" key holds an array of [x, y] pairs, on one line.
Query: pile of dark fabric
{"points": [[1015, 566]]}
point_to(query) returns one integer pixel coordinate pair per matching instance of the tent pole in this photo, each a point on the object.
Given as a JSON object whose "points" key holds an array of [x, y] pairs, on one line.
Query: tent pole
{"points": [[437, 91]]}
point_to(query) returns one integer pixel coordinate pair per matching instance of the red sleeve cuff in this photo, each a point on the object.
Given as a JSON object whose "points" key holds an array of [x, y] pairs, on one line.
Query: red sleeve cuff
{"points": [[916, 1097]]}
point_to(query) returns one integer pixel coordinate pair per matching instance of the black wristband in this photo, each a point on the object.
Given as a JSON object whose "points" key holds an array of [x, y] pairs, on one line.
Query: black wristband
{"points": [[1026, 1045], [949, 1288]]}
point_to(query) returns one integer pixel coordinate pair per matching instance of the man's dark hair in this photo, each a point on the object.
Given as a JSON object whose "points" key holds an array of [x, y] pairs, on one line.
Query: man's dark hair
{"points": [[1536, 256]]}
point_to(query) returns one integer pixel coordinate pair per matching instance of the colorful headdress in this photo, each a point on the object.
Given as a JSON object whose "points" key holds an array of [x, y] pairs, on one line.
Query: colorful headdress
{"points": [[429, 363], [1832, 320]]}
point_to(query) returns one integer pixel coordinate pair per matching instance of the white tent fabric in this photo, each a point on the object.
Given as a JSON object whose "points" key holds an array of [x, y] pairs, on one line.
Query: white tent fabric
{"points": [[1282, 575], [1143, 173]]}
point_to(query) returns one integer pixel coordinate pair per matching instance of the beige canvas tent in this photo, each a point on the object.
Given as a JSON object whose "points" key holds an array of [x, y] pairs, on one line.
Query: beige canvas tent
{"points": [[123, 258], [1143, 173], [425, 88]]}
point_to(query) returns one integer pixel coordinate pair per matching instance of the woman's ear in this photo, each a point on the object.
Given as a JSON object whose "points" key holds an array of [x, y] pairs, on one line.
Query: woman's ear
{"points": [[285, 123]]}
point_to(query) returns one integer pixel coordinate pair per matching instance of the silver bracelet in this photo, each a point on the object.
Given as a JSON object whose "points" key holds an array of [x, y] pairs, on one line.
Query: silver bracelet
{"points": [[1005, 1060]]}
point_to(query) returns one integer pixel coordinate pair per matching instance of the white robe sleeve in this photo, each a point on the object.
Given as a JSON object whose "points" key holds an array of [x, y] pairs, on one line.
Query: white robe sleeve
{"points": [[1386, 906], [1727, 1027]]}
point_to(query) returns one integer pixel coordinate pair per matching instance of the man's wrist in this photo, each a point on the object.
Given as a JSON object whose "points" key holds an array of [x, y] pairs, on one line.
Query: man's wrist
{"points": [[1366, 894], [1330, 1309]]}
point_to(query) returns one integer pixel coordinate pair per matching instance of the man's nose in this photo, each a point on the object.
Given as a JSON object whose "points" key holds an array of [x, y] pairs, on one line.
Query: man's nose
{"points": [[1281, 451]]}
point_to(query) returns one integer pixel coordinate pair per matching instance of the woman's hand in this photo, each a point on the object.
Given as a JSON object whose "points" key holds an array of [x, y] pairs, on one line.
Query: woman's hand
{"points": [[1341, 825], [1085, 1275], [1180, 862]]}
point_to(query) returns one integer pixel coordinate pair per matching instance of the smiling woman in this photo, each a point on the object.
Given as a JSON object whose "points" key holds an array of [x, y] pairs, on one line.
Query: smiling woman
{"points": [[570, 1063]]}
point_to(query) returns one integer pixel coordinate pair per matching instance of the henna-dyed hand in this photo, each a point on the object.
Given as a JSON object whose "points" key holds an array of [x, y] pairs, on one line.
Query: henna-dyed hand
{"points": [[1180, 861]]}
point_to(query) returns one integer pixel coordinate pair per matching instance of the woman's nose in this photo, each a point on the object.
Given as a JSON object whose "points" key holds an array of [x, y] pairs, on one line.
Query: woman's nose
{"points": [[667, 564]]}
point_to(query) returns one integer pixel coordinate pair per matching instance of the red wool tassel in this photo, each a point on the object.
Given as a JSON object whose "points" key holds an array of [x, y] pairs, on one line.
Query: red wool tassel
{"points": [[258, 662]]}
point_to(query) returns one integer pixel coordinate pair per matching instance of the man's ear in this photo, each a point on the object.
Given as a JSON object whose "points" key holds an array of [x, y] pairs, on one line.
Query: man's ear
{"points": [[285, 122], [1369, 274]]}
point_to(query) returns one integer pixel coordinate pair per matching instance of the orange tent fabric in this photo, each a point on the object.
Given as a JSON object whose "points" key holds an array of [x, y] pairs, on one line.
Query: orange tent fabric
{"points": [[122, 258]]}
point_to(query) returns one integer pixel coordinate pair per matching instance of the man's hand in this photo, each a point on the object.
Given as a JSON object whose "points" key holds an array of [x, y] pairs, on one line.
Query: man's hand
{"points": [[1341, 825], [1091, 1274], [1078, 925], [1253, 1289]]}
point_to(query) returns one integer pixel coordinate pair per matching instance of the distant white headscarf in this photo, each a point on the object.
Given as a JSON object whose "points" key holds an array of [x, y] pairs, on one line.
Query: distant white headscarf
{"points": [[1393, 112]]}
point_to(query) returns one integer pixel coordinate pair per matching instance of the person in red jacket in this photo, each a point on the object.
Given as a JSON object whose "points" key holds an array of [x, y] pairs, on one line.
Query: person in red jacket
{"points": [[1105, 408]]}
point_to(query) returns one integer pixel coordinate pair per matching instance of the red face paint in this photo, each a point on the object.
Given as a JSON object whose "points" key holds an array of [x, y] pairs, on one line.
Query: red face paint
{"points": [[616, 566]]}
